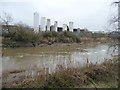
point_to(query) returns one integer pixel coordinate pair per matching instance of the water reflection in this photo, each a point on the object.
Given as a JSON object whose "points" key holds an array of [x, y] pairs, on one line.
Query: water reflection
{"points": [[46, 62]]}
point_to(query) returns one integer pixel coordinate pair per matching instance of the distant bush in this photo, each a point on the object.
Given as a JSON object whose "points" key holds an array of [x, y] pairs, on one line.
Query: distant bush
{"points": [[69, 37], [50, 34], [69, 34], [47, 34], [27, 35], [23, 35], [64, 37]]}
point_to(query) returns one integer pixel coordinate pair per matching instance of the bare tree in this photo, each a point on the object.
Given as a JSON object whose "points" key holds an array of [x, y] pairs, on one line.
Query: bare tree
{"points": [[6, 20], [115, 23]]}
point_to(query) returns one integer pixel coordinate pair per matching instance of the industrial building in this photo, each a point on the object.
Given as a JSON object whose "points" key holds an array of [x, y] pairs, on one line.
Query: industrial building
{"points": [[45, 25]]}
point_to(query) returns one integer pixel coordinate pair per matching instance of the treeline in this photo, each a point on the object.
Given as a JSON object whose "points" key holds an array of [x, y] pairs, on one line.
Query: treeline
{"points": [[22, 35]]}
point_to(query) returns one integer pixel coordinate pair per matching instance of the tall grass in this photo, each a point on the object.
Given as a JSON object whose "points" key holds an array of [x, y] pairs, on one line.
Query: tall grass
{"points": [[91, 75]]}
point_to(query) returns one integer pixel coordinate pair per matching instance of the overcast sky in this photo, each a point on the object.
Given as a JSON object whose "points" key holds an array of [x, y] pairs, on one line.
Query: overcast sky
{"points": [[91, 14]]}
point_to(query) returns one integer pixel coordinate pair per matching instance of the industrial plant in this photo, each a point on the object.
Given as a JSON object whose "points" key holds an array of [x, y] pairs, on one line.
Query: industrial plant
{"points": [[45, 25]]}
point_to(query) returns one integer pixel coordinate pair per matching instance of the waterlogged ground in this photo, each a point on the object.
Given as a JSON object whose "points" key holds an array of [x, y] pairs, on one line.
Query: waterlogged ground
{"points": [[19, 64]]}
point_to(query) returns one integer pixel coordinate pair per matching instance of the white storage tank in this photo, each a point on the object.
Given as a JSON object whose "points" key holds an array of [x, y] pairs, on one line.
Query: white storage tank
{"points": [[52, 28], [71, 26], [48, 24], [36, 22], [78, 30], [43, 25], [64, 27], [56, 25]]}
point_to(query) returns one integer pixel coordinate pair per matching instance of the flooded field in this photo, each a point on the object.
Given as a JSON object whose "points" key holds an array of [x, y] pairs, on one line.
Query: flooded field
{"points": [[18, 63]]}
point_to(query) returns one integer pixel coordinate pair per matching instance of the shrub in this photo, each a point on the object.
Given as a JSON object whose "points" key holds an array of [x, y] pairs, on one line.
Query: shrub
{"points": [[23, 35], [47, 34], [27, 35]]}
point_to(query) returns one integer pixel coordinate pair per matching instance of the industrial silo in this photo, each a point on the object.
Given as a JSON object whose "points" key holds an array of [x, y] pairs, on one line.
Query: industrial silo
{"points": [[43, 25], [71, 26], [64, 27], [36, 22], [56, 25], [52, 28], [48, 24]]}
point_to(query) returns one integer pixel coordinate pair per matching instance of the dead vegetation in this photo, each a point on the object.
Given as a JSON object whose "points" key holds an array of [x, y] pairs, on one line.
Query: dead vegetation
{"points": [[90, 76]]}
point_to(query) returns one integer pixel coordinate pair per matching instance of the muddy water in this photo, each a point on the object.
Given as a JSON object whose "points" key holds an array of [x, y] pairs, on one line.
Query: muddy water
{"points": [[29, 61]]}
